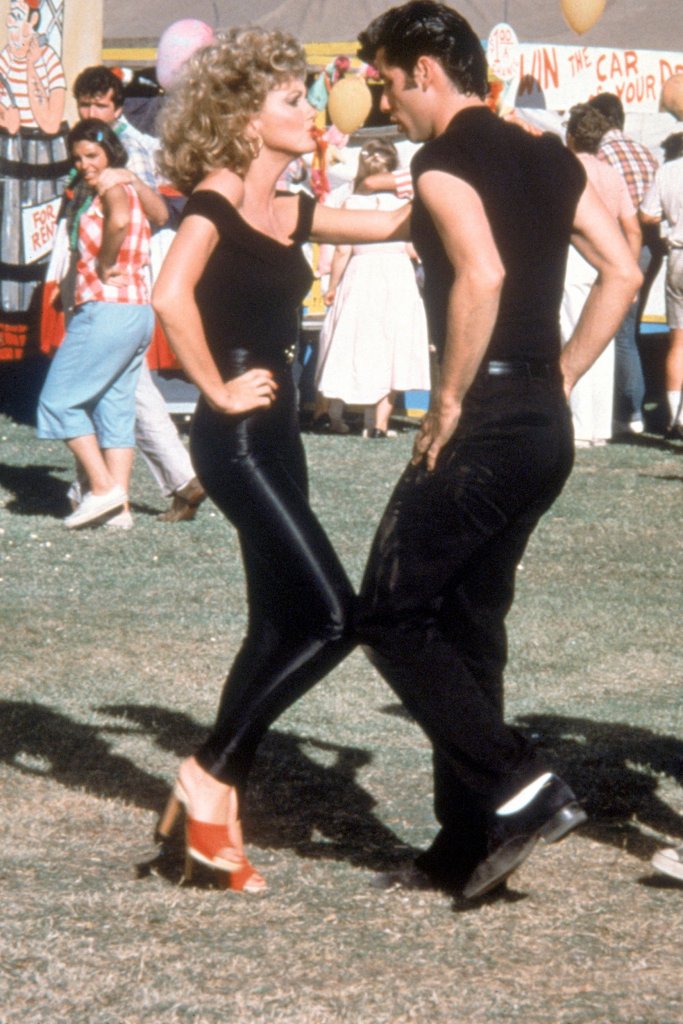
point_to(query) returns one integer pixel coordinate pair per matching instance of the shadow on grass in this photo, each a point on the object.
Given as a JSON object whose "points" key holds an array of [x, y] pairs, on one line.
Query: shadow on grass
{"points": [[35, 740], [613, 768], [662, 444], [319, 810], [303, 793], [36, 491]]}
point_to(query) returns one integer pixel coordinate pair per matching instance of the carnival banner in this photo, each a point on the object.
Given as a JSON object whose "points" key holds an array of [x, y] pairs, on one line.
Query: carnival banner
{"points": [[557, 77], [43, 46]]}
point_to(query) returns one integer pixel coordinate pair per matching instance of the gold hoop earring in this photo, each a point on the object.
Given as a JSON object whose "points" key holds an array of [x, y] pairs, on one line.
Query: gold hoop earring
{"points": [[256, 146]]}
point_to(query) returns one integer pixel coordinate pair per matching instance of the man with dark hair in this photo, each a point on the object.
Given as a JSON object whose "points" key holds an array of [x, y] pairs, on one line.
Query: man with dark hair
{"points": [[637, 166], [99, 93], [611, 107], [494, 211]]}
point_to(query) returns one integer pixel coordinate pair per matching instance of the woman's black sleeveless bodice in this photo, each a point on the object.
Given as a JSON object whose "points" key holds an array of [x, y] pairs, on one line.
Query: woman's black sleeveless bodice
{"points": [[251, 291]]}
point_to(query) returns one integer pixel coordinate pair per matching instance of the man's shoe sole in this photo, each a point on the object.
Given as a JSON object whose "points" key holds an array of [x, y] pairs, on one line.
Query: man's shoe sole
{"points": [[562, 822]]}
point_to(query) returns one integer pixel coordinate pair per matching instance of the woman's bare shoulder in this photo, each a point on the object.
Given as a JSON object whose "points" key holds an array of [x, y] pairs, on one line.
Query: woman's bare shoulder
{"points": [[226, 183]]}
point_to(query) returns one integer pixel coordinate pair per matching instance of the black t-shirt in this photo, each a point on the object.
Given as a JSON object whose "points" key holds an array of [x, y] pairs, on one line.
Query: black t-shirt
{"points": [[250, 293], [529, 186]]}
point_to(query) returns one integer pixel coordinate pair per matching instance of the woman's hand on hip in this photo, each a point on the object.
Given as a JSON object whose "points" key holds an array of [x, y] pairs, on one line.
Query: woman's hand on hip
{"points": [[255, 389]]}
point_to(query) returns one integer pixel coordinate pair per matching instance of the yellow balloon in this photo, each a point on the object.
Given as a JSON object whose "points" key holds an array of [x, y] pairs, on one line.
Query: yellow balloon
{"points": [[349, 103], [672, 96], [582, 14]]}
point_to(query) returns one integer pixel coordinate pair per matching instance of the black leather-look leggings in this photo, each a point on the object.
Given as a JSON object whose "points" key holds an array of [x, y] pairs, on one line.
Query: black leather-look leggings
{"points": [[300, 599]]}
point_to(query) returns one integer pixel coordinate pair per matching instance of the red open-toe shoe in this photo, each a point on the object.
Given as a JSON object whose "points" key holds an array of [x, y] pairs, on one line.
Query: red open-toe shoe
{"points": [[217, 846]]}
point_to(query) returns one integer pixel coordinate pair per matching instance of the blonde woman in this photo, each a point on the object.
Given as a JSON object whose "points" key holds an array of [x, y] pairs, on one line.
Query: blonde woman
{"points": [[228, 297]]}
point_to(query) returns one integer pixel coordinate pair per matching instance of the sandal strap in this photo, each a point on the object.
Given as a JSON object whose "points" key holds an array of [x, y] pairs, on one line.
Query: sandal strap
{"points": [[213, 842]]}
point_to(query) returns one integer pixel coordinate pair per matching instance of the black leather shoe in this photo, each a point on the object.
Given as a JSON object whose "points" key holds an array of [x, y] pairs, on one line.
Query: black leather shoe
{"points": [[550, 815]]}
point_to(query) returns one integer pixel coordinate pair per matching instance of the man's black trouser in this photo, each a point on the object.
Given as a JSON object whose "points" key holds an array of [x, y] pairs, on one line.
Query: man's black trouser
{"points": [[440, 581]]}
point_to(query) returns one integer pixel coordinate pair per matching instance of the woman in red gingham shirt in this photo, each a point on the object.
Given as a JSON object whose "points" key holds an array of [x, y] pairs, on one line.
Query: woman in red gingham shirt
{"points": [[88, 399], [131, 282]]}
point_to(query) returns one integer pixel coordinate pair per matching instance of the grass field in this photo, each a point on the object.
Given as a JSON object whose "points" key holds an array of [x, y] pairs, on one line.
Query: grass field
{"points": [[114, 649]]}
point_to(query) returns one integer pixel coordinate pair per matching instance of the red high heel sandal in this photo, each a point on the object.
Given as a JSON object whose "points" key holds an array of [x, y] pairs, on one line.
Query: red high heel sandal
{"points": [[212, 845]]}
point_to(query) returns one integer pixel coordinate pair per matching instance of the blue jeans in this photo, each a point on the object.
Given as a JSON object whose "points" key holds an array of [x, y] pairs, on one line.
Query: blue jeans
{"points": [[629, 382], [90, 386]]}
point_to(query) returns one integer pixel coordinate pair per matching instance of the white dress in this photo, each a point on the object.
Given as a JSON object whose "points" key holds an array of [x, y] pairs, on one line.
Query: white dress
{"points": [[374, 336]]}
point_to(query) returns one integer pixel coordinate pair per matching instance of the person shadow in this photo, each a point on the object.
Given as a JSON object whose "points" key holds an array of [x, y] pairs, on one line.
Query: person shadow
{"points": [[614, 769], [313, 805], [318, 810], [36, 491]]}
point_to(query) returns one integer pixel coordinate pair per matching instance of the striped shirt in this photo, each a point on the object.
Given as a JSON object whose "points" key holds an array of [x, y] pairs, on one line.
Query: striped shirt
{"points": [[132, 261], [635, 162], [15, 74], [403, 183]]}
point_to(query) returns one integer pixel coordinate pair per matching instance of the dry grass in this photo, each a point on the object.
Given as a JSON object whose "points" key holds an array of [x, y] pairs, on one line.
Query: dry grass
{"points": [[114, 648]]}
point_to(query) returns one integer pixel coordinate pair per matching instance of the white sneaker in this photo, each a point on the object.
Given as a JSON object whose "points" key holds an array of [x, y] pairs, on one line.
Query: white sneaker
{"points": [[75, 495], [669, 862], [96, 506], [121, 521], [620, 429]]}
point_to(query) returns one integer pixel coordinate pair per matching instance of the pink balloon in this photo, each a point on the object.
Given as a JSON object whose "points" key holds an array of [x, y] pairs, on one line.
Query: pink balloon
{"points": [[178, 42]]}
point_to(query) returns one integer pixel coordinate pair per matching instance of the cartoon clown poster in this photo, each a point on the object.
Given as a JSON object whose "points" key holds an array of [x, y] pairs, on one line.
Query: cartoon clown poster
{"points": [[32, 80], [46, 43]]}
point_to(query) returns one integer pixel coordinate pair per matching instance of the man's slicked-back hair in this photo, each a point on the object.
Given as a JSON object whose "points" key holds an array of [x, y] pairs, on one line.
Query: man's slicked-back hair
{"points": [[423, 28]]}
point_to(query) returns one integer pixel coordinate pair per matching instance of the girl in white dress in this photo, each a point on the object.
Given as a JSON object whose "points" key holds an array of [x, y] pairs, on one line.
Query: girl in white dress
{"points": [[373, 342]]}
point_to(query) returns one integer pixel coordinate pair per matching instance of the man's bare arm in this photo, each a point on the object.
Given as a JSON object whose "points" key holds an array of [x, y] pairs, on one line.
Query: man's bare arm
{"points": [[153, 206], [459, 217], [599, 239]]}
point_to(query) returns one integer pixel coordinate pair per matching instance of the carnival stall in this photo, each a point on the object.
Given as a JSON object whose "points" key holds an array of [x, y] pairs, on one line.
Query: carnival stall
{"points": [[43, 44]]}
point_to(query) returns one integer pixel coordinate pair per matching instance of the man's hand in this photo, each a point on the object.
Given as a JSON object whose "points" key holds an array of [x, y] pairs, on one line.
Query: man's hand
{"points": [[112, 176], [34, 52], [568, 381], [436, 430], [10, 119]]}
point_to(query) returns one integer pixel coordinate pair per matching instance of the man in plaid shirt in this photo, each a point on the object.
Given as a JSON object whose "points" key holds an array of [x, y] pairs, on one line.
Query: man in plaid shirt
{"points": [[637, 166]]}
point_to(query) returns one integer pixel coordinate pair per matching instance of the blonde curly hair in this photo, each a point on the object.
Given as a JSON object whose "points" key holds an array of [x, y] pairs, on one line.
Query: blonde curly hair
{"points": [[204, 120]]}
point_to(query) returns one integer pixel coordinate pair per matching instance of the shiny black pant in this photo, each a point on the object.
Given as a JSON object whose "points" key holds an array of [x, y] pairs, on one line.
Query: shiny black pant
{"points": [[440, 582], [300, 600]]}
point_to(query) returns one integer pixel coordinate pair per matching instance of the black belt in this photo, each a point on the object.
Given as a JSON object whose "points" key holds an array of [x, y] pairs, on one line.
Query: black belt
{"points": [[527, 369]]}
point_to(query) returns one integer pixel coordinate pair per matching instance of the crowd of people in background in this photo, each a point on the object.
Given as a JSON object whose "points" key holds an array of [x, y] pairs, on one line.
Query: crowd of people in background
{"points": [[373, 343]]}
